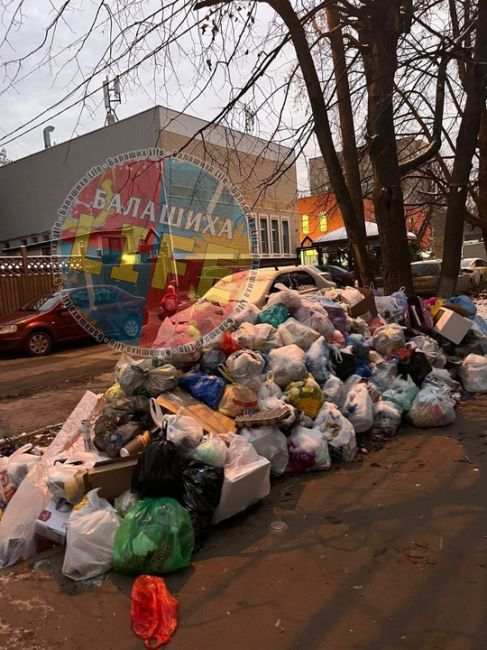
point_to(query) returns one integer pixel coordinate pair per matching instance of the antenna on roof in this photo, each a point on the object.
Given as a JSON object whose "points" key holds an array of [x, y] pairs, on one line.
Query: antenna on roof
{"points": [[111, 95]]}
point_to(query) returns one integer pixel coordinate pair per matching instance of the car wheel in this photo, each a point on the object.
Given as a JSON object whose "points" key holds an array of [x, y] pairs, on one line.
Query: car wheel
{"points": [[39, 343], [131, 327]]}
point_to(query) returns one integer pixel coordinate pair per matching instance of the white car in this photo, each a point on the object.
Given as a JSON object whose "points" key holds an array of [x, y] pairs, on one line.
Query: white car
{"points": [[302, 278], [218, 303], [477, 267]]}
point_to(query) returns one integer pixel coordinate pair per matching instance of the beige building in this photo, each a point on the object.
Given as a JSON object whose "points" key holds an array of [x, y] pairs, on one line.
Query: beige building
{"points": [[33, 188]]}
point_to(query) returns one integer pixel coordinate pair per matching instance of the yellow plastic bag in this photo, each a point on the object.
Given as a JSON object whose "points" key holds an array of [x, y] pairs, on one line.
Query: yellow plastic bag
{"points": [[305, 395]]}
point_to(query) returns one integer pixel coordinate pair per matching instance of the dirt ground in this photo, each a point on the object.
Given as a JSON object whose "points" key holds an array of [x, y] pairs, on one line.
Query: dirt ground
{"points": [[388, 552]]}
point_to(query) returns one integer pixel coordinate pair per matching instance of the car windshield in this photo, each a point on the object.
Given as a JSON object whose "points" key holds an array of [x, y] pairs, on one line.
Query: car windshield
{"points": [[42, 303], [422, 269]]}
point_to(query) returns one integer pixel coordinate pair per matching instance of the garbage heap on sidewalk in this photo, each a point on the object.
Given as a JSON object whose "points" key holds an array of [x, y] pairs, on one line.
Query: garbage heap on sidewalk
{"points": [[136, 478]]}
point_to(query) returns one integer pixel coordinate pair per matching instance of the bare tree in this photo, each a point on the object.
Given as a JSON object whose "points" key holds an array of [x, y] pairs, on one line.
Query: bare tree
{"points": [[466, 142]]}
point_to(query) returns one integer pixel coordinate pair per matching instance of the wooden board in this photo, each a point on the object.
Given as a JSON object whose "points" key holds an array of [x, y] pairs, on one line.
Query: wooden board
{"points": [[209, 419]]}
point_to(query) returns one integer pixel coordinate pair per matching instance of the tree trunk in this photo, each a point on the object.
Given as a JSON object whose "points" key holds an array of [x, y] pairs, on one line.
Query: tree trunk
{"points": [[475, 89], [354, 225], [379, 39], [349, 146], [482, 202]]}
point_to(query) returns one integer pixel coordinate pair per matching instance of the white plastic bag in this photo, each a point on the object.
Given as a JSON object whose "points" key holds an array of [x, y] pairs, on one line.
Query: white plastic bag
{"points": [[244, 336], [308, 450], [211, 450], [359, 409], [388, 307], [387, 418], [431, 409], [245, 313], [90, 537], [269, 443], [473, 373], [184, 430], [287, 364], [125, 501], [431, 349], [317, 358], [388, 337], [269, 389], [245, 367], [333, 391], [13, 470], [401, 393], [292, 332], [313, 315], [246, 479], [265, 337], [338, 431], [18, 522], [441, 380], [287, 297]]}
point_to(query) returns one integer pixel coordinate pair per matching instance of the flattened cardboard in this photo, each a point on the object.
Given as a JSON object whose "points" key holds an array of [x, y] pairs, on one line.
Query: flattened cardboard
{"points": [[366, 308], [210, 420]]}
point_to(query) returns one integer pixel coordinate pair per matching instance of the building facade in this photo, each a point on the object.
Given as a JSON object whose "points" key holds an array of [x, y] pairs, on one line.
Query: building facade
{"points": [[33, 188]]}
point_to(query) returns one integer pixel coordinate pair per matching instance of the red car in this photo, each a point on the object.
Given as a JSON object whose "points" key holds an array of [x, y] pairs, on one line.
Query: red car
{"points": [[45, 320]]}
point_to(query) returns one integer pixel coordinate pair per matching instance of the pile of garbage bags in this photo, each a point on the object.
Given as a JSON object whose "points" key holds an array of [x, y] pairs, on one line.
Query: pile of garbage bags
{"points": [[294, 387]]}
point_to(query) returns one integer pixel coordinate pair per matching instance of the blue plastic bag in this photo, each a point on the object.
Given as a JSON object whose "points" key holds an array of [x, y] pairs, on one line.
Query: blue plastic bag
{"points": [[360, 346], [274, 315], [465, 303], [207, 388]]}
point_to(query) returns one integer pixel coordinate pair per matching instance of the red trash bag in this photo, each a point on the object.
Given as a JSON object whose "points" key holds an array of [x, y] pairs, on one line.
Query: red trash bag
{"points": [[154, 611]]}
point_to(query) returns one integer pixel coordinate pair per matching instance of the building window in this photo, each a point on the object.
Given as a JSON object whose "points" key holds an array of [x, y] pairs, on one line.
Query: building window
{"points": [[323, 222], [23, 242], [45, 250], [6, 244], [286, 243], [35, 239], [264, 237], [276, 244], [305, 224]]}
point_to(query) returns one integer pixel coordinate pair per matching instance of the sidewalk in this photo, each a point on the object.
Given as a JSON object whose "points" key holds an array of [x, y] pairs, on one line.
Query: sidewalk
{"points": [[387, 552]]}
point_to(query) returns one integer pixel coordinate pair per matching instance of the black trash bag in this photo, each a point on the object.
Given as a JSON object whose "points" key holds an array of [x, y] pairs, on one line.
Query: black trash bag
{"points": [[344, 364], [202, 486], [417, 367], [158, 472]]}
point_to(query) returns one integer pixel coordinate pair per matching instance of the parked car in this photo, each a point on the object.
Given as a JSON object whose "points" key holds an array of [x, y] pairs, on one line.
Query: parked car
{"points": [[302, 278], [219, 302], [426, 278], [477, 267], [340, 276], [44, 321]]}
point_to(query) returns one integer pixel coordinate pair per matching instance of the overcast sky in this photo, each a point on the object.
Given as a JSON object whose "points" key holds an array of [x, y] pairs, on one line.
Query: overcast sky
{"points": [[36, 92]]}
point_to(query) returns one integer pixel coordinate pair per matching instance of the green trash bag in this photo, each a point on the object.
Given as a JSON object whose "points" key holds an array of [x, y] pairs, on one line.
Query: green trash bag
{"points": [[274, 315], [156, 537]]}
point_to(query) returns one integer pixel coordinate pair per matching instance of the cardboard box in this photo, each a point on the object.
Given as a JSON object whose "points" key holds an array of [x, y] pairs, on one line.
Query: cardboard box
{"points": [[51, 523], [452, 326], [366, 308], [242, 487], [112, 476], [209, 419]]}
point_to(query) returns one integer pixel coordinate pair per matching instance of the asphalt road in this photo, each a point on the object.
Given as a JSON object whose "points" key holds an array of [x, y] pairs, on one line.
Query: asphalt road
{"points": [[22, 375]]}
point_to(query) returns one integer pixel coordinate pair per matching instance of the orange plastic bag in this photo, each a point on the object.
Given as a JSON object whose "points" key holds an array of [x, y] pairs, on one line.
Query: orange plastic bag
{"points": [[154, 611]]}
